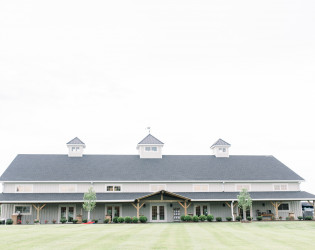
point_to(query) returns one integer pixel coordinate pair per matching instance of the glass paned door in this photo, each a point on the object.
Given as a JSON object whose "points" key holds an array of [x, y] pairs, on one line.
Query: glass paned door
{"points": [[154, 213], [109, 211], [63, 212], [158, 213], [70, 214], [117, 211]]}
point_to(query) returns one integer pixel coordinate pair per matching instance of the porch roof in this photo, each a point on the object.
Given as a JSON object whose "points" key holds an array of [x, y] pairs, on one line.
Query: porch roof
{"points": [[131, 197]]}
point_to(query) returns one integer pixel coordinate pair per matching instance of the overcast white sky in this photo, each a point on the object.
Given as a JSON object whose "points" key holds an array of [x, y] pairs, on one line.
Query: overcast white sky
{"points": [[194, 71]]}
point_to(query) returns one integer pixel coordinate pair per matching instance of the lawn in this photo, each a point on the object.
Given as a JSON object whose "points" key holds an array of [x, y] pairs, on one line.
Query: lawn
{"points": [[256, 235]]}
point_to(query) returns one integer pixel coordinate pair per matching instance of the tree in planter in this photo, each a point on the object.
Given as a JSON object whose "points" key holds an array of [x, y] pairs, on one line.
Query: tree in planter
{"points": [[89, 201], [244, 201]]}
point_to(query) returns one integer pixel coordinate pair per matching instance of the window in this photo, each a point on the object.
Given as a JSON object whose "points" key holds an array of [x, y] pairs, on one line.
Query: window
{"points": [[284, 207], [280, 187], [224, 149], [67, 188], [200, 187], [113, 188], [73, 149], [150, 149], [240, 187], [24, 188], [23, 209], [157, 187], [147, 149], [154, 148]]}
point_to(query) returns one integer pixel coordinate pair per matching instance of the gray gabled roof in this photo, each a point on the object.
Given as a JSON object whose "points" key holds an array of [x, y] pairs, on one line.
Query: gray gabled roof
{"points": [[76, 140], [130, 197], [150, 139], [133, 168], [220, 142]]}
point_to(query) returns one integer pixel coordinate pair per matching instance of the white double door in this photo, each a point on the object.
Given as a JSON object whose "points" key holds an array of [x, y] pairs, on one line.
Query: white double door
{"points": [[158, 213], [67, 211]]}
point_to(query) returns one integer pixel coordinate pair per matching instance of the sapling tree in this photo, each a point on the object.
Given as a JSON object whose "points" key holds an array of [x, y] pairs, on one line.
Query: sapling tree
{"points": [[244, 201], [89, 201]]}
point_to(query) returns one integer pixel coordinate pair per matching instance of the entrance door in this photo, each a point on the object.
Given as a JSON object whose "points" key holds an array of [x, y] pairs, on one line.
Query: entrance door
{"points": [[158, 213], [67, 212]]}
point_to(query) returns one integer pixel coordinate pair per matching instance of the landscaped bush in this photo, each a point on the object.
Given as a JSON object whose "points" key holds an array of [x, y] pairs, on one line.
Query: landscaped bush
{"points": [[120, 220], [75, 221], [84, 220], [135, 220], [62, 220], [238, 218], [95, 221], [106, 221], [36, 221], [9, 222], [248, 218], [300, 217], [182, 218], [115, 220], [259, 218], [195, 218], [218, 219], [188, 218], [143, 219], [228, 218], [308, 218], [210, 217], [202, 217], [128, 219]]}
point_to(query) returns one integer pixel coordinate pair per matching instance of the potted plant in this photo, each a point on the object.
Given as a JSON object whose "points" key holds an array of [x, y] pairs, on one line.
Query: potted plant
{"points": [[280, 217], [46, 221], [54, 221]]}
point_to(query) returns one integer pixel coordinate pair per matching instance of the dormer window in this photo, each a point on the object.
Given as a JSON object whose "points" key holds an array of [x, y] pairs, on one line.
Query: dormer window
{"points": [[220, 148], [76, 147]]}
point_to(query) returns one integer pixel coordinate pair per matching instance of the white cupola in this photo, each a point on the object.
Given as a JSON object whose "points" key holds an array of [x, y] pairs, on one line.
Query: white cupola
{"points": [[150, 147], [221, 148], [76, 147]]}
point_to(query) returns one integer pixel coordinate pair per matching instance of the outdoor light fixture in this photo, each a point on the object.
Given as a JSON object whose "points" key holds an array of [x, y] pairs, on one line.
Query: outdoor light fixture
{"points": [[223, 205], [263, 204], [171, 205]]}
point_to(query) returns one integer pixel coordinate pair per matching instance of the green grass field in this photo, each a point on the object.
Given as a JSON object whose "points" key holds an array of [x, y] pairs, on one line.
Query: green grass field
{"points": [[256, 235]]}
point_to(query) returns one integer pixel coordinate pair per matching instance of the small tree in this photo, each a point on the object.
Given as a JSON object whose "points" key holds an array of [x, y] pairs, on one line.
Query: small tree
{"points": [[244, 201], [89, 201]]}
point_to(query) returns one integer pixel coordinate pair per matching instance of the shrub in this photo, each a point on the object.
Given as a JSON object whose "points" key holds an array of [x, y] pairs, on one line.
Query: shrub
{"points": [[36, 221], [128, 219], [182, 218], [75, 221], [228, 218], [188, 218], [106, 221], [202, 217], [95, 221], [300, 217], [115, 220], [120, 220], [9, 222], [195, 218], [135, 220], [84, 220], [280, 217], [259, 218], [287, 218], [308, 218], [248, 218], [218, 219], [143, 219], [238, 218], [63, 220], [27, 222], [53, 221], [210, 217]]}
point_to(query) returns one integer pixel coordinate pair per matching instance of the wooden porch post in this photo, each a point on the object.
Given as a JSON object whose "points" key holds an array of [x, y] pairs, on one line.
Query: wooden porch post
{"points": [[137, 207], [38, 209], [276, 206], [185, 206]]}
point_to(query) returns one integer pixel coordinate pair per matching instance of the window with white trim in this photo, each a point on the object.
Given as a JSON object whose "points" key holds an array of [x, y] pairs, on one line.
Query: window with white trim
{"points": [[23, 209], [284, 207], [200, 187], [113, 188], [280, 187], [157, 187], [240, 187], [24, 188], [67, 188]]}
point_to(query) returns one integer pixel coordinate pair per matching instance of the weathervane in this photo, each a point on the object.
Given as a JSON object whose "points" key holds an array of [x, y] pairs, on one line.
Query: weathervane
{"points": [[149, 129]]}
